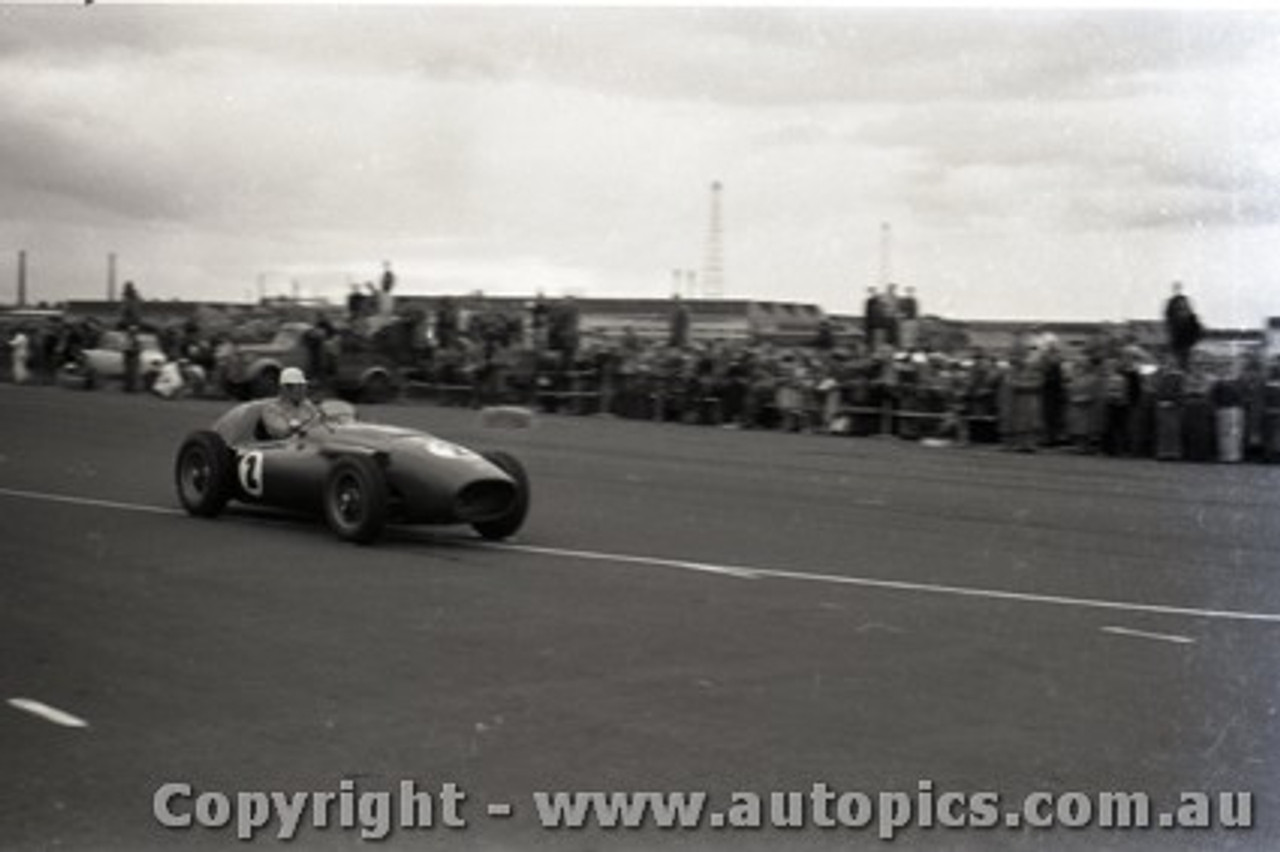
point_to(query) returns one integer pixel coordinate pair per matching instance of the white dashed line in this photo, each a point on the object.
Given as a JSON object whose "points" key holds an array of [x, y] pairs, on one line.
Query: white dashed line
{"points": [[49, 714], [746, 572], [1142, 634]]}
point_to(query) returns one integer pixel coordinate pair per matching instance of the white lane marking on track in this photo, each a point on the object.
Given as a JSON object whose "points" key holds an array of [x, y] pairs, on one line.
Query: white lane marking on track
{"points": [[90, 501], [746, 572], [48, 713], [1023, 597], [1143, 634], [741, 573], [896, 585]]}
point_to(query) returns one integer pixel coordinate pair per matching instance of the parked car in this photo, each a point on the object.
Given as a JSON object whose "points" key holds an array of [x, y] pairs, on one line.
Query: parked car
{"points": [[105, 362], [358, 373]]}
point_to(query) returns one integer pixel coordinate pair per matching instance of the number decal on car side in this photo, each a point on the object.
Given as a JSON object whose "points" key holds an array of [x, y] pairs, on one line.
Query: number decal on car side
{"points": [[251, 473]]}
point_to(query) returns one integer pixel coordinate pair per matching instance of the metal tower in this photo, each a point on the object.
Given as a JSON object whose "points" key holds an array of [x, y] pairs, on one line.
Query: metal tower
{"points": [[713, 265]]}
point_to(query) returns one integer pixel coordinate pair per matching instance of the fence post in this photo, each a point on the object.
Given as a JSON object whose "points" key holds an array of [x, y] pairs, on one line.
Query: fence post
{"points": [[604, 392], [886, 417]]}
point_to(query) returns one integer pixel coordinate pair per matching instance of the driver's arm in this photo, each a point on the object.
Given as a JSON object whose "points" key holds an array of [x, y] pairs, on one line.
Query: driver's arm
{"points": [[276, 421]]}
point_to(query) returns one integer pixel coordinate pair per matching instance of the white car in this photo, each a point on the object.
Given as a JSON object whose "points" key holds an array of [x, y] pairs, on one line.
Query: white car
{"points": [[106, 360]]}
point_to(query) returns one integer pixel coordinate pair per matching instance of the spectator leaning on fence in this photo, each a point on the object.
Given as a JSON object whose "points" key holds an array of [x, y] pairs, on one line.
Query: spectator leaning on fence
{"points": [[1025, 381], [1253, 390]]}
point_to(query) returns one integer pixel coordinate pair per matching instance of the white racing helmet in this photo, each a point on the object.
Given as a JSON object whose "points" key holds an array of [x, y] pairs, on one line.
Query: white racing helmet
{"points": [[292, 376]]}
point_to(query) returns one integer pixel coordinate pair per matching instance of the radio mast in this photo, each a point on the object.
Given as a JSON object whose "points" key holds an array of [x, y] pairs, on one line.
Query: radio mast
{"points": [[713, 266]]}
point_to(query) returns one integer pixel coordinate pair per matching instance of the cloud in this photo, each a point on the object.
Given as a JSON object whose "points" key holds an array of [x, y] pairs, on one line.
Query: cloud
{"points": [[498, 147], [728, 55]]}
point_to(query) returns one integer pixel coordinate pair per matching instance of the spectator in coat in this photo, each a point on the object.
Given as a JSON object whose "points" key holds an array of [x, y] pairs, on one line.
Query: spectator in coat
{"points": [[387, 285], [1182, 326], [909, 320], [132, 360], [1053, 396], [130, 305], [20, 352], [873, 319], [678, 331]]}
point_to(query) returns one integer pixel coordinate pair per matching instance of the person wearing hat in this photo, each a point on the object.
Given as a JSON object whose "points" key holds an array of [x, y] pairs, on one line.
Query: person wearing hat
{"points": [[291, 410]]}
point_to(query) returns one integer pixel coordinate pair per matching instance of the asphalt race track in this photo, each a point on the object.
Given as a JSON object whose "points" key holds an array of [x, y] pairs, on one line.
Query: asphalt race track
{"points": [[688, 609]]}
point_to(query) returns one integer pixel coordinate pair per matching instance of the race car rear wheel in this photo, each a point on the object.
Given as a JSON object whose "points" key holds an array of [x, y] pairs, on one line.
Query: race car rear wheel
{"points": [[377, 388], [510, 523], [202, 473], [355, 499]]}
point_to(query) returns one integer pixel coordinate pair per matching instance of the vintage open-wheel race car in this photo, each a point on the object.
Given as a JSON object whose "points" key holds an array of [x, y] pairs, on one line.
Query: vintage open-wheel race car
{"points": [[358, 476]]}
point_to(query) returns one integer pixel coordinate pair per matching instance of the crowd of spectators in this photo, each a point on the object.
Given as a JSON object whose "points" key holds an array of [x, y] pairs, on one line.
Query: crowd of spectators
{"points": [[1109, 397]]}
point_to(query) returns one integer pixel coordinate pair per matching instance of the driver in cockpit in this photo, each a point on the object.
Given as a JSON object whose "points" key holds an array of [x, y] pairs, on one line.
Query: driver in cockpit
{"points": [[291, 410]]}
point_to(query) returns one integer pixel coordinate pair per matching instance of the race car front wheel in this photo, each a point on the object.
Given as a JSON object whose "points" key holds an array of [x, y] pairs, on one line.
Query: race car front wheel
{"points": [[509, 523], [202, 474], [355, 499]]}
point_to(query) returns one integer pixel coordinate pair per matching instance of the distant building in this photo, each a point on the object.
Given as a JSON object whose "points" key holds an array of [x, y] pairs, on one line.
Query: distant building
{"points": [[787, 323], [998, 337], [154, 312], [1229, 344], [161, 313], [650, 318]]}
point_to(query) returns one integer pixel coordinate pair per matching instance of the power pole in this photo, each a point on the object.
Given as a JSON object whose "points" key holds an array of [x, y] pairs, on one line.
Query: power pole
{"points": [[111, 277], [22, 278]]}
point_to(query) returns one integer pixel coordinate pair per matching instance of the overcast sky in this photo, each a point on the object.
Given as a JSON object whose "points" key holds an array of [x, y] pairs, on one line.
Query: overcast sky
{"points": [[1033, 164]]}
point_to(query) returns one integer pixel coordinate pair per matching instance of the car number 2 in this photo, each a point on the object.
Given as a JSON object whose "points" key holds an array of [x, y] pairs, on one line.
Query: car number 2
{"points": [[251, 473]]}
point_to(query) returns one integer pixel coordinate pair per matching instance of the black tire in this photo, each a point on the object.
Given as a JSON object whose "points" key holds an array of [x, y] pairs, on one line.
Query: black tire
{"points": [[266, 383], [355, 499], [203, 474], [510, 523], [377, 388]]}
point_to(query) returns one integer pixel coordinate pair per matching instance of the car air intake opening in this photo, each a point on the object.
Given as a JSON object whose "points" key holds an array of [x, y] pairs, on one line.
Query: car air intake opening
{"points": [[484, 500]]}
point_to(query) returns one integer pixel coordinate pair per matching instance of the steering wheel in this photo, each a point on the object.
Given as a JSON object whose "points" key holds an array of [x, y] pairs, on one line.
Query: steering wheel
{"points": [[299, 427]]}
